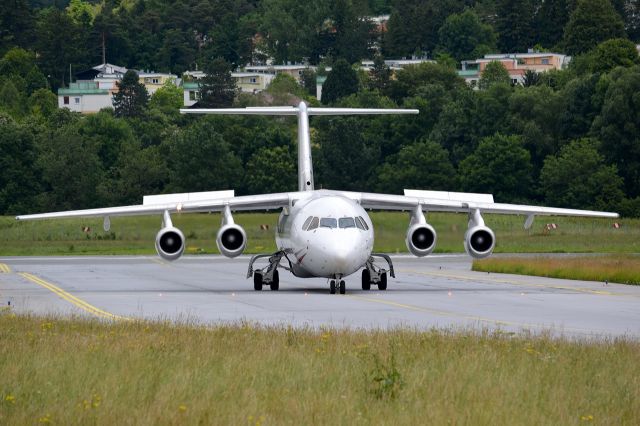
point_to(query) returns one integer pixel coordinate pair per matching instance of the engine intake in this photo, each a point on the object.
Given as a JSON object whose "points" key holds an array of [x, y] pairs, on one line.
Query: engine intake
{"points": [[479, 242], [421, 239], [170, 243], [231, 240]]}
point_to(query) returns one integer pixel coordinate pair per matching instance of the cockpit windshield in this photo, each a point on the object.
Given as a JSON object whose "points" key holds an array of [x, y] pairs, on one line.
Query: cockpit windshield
{"points": [[346, 222], [328, 222]]}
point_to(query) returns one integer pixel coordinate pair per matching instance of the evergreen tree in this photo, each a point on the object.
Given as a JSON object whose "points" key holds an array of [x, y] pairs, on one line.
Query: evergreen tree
{"points": [[131, 98], [341, 81], [550, 20], [514, 24], [592, 22], [380, 75], [218, 89]]}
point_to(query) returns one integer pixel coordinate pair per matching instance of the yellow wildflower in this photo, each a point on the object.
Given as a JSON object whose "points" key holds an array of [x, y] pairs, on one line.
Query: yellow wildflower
{"points": [[182, 408], [10, 399]]}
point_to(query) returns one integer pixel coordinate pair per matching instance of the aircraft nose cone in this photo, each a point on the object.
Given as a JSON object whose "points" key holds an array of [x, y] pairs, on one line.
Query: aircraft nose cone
{"points": [[342, 253]]}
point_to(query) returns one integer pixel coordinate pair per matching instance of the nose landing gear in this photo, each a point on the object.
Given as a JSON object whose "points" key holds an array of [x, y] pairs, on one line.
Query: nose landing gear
{"points": [[340, 286]]}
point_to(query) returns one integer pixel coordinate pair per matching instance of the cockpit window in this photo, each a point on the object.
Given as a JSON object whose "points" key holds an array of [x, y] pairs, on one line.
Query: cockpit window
{"points": [[359, 223], [314, 224], [364, 223], [346, 222], [328, 222], [306, 223]]}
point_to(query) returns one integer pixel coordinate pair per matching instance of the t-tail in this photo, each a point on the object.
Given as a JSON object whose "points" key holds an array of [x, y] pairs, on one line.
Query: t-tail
{"points": [[302, 111]]}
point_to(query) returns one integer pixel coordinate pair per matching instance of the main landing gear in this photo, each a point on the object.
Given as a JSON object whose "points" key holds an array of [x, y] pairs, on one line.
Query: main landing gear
{"points": [[268, 275], [372, 274]]}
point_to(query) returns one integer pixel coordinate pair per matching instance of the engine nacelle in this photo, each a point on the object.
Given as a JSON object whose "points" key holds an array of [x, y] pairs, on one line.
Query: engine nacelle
{"points": [[170, 243], [479, 241], [421, 239], [231, 240]]}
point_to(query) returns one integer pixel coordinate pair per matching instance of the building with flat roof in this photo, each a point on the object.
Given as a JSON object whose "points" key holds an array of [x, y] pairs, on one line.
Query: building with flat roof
{"points": [[516, 64]]}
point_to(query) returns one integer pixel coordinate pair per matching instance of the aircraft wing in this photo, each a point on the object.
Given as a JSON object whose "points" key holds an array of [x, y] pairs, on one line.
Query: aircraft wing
{"points": [[461, 203], [173, 203]]}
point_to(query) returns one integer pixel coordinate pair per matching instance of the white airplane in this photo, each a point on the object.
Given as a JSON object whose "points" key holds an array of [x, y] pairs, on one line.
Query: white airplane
{"points": [[320, 233]]}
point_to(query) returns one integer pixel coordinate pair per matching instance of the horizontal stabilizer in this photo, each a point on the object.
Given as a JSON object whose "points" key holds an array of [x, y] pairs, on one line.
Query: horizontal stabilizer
{"points": [[149, 200], [450, 196]]}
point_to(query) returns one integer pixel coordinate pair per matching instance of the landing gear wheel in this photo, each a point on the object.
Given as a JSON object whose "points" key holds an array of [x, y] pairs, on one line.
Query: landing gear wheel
{"points": [[275, 284], [343, 287], [366, 279], [382, 285], [332, 287], [257, 281]]}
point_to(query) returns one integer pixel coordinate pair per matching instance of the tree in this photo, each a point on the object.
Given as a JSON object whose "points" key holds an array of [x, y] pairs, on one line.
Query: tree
{"points": [[410, 79], [341, 81], [19, 177], [514, 24], [618, 125], [500, 165], [423, 164], [309, 81], [380, 75], [617, 52], [592, 22], [352, 32], [550, 20], [169, 98], [201, 160], [218, 89], [579, 178], [494, 73], [16, 25], [43, 102], [464, 36], [271, 170], [530, 78], [132, 98], [285, 90]]}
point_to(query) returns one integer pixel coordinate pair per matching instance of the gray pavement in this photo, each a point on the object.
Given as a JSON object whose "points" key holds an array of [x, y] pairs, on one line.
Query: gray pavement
{"points": [[438, 291]]}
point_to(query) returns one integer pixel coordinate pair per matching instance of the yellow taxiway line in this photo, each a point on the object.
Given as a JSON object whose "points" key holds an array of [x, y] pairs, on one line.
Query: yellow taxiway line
{"points": [[72, 299], [4, 268]]}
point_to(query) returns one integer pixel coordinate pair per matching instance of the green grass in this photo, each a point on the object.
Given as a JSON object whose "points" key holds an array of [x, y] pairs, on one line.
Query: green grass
{"points": [[623, 269], [72, 371], [136, 235]]}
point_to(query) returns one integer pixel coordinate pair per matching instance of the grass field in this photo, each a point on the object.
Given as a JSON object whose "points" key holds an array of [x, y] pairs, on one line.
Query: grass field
{"points": [[620, 268], [86, 372], [136, 235]]}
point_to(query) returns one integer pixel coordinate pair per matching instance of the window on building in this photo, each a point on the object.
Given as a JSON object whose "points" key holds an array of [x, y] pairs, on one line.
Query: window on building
{"points": [[192, 95], [545, 61], [77, 101], [155, 80], [253, 80], [66, 100]]}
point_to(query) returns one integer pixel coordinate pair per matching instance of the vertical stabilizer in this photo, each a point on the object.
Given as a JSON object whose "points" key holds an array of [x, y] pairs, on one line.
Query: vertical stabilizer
{"points": [[305, 165]]}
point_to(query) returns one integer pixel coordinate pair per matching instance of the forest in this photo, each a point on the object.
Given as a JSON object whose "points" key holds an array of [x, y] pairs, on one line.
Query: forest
{"points": [[566, 138]]}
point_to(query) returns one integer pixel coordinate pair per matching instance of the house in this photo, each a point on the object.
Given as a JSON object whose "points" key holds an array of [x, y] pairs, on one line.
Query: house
{"points": [[247, 82], [294, 71], [155, 80], [516, 64], [93, 89]]}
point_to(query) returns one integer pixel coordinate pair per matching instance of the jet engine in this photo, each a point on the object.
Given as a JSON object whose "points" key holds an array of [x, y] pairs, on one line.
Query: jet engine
{"points": [[170, 243], [479, 240], [421, 239], [231, 240]]}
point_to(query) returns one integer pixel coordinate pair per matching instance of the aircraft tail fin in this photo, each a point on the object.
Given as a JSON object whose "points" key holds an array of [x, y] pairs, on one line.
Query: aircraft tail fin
{"points": [[305, 165]]}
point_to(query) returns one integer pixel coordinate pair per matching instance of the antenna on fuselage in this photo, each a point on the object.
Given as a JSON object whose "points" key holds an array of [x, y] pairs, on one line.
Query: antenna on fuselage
{"points": [[305, 165]]}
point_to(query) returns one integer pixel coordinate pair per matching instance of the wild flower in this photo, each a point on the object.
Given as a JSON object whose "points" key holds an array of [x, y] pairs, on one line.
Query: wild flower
{"points": [[182, 408], [10, 399]]}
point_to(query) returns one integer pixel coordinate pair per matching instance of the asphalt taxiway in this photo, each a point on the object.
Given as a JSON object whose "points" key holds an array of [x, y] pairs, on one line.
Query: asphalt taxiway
{"points": [[438, 291]]}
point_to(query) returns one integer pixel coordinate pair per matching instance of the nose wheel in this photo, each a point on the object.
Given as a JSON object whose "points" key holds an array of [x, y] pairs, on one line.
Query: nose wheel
{"points": [[339, 286]]}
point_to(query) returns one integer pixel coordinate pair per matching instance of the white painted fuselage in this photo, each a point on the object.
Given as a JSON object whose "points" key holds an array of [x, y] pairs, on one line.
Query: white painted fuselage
{"points": [[328, 236]]}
